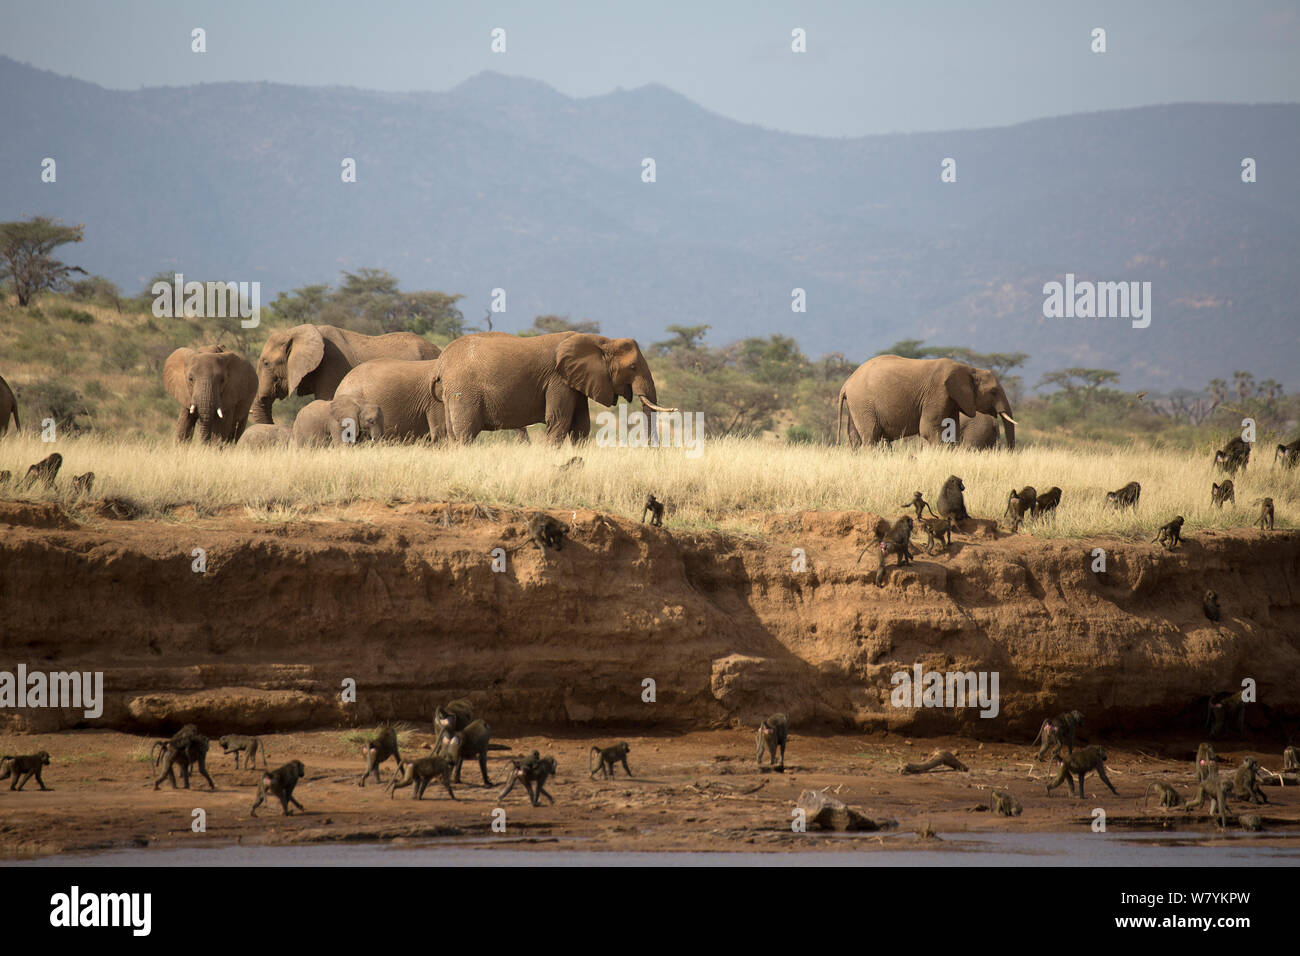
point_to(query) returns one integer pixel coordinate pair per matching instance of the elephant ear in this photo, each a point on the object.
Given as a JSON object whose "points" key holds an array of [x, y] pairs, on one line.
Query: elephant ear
{"points": [[241, 381], [306, 349], [582, 363], [960, 383], [174, 375]]}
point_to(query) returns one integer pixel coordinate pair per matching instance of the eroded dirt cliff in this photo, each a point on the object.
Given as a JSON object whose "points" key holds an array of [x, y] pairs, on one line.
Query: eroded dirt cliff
{"points": [[405, 601]]}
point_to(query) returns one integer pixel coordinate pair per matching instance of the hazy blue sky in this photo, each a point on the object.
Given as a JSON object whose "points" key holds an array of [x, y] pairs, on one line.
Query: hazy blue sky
{"points": [[870, 67]]}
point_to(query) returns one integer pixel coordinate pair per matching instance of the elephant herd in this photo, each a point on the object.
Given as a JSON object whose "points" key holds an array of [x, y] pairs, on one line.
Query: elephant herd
{"points": [[400, 386]]}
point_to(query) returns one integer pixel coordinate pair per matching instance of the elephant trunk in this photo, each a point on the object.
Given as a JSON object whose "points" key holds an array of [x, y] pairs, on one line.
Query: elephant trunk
{"points": [[1008, 428], [206, 404], [261, 411], [644, 388]]}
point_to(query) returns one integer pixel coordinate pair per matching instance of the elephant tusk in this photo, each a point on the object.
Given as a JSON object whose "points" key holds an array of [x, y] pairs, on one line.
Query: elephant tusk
{"points": [[192, 407], [653, 407], [1009, 419], [219, 415]]}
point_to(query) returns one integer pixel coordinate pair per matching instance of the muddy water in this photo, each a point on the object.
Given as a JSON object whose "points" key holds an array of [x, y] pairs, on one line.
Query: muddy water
{"points": [[985, 849]]}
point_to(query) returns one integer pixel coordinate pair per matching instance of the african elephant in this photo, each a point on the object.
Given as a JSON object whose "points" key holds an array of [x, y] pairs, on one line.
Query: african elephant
{"points": [[8, 406], [492, 380], [215, 388], [404, 392], [313, 359], [979, 433], [891, 397], [322, 422], [266, 436]]}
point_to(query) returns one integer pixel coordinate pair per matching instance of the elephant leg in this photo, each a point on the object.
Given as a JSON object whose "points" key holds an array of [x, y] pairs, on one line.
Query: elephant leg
{"points": [[853, 437], [580, 424], [463, 424], [438, 424], [185, 425], [561, 411], [522, 433]]}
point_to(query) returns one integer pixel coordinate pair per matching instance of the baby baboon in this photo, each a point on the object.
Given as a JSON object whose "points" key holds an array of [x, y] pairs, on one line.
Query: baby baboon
{"points": [[893, 541], [919, 503], [1047, 501], [533, 771], [451, 720], [1290, 454], [1229, 709], [1290, 759], [773, 733], [187, 746], [1207, 762], [1020, 503], [1171, 534], [475, 741], [655, 508], [608, 756], [44, 471], [280, 783], [1005, 805], [1265, 519], [940, 529], [420, 773], [82, 484], [1169, 797], [249, 746], [377, 751], [1126, 497], [1250, 822], [1245, 782], [1221, 493], [1078, 765], [1210, 603], [543, 531], [1216, 791], [952, 504], [23, 768], [1234, 455], [1059, 730]]}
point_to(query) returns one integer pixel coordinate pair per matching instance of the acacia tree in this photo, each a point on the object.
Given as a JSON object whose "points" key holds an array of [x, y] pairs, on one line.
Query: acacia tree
{"points": [[25, 255]]}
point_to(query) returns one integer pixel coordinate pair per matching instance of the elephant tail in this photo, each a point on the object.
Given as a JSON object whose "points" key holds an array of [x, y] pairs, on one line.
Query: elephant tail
{"points": [[18, 426], [839, 415]]}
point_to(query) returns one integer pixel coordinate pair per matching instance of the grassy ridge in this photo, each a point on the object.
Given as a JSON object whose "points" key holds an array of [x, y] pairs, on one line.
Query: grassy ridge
{"points": [[730, 478]]}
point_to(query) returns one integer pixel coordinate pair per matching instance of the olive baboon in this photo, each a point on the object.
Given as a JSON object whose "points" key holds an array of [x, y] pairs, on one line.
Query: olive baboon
{"points": [[248, 746], [1226, 710], [894, 541], [1171, 534], [533, 771], [1077, 765], [607, 757], [543, 531], [952, 504], [280, 783], [451, 720], [1020, 503], [1245, 782], [420, 773], [1047, 501], [44, 471], [1207, 762], [1265, 519], [1233, 456], [23, 768], [1059, 730], [1222, 493], [1290, 454], [1210, 604], [83, 484], [939, 529], [1005, 805], [1251, 822], [377, 751], [187, 746], [475, 741], [1126, 497], [772, 734], [1169, 797], [1290, 760], [920, 504], [1214, 790], [655, 508]]}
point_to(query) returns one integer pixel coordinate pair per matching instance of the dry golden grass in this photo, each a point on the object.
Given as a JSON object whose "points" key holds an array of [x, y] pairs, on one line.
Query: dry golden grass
{"points": [[722, 488]]}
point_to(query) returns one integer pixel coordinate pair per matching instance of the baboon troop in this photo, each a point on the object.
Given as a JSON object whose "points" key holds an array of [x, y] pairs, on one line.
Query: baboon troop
{"points": [[607, 757], [377, 751], [1126, 497], [1265, 519], [1170, 535], [280, 783], [1220, 494], [655, 508], [1077, 765], [239, 744], [534, 771], [773, 732], [18, 770]]}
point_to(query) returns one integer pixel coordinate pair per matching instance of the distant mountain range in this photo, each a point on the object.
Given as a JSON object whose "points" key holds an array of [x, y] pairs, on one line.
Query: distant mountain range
{"points": [[505, 182]]}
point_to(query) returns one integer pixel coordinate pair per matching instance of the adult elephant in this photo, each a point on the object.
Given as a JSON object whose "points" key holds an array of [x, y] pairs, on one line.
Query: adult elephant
{"points": [[494, 380], [8, 406], [215, 388], [313, 359], [404, 393], [891, 397]]}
